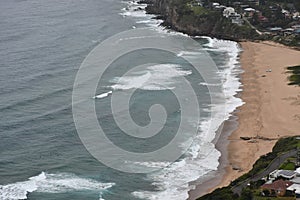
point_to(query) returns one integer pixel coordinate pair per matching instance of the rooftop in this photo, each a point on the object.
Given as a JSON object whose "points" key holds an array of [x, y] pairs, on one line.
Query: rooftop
{"points": [[294, 187], [286, 173], [296, 180], [277, 185]]}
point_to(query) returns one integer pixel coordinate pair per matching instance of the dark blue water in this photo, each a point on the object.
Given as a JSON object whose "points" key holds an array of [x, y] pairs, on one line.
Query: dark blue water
{"points": [[42, 44]]}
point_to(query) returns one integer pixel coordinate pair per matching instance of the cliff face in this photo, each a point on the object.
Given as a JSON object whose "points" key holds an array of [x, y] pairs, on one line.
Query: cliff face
{"points": [[175, 19], [179, 17]]}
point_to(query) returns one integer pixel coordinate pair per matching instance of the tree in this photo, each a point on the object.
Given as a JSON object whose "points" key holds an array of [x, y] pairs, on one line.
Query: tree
{"points": [[246, 194]]}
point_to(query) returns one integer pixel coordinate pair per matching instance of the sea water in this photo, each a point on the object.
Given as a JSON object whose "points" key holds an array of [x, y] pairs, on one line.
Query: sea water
{"points": [[42, 46]]}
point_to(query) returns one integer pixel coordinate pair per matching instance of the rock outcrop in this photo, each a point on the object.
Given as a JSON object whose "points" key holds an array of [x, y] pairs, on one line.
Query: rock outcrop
{"points": [[178, 16]]}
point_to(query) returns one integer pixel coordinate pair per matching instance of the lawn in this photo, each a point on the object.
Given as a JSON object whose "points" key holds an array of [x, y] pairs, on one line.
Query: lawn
{"points": [[199, 10], [288, 165]]}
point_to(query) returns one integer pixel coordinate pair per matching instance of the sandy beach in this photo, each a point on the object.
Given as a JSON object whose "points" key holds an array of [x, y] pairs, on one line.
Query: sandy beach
{"points": [[271, 110]]}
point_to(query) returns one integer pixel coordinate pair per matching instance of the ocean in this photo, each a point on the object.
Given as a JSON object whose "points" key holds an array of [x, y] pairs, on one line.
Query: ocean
{"points": [[42, 157]]}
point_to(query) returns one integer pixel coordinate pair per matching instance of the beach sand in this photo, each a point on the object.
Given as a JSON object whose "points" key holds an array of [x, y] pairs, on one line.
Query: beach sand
{"points": [[271, 110]]}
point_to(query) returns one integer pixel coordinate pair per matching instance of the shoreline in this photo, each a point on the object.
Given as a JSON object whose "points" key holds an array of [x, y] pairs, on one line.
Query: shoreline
{"points": [[212, 180], [229, 142], [271, 110]]}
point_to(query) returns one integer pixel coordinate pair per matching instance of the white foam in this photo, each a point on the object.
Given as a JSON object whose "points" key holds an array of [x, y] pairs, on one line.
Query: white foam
{"points": [[155, 77], [103, 95], [202, 157], [50, 183], [189, 53], [173, 180], [133, 9], [137, 11]]}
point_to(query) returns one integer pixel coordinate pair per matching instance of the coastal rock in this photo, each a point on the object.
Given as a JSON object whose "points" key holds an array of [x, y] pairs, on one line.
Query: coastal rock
{"points": [[179, 17]]}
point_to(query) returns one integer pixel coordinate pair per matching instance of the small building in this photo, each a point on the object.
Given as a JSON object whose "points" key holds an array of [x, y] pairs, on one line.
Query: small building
{"points": [[296, 180], [288, 31], [296, 26], [237, 3], [215, 4], [249, 12], [274, 174], [244, 6], [297, 171], [276, 30], [277, 188], [286, 13], [295, 188], [296, 15], [220, 8], [228, 11], [236, 18], [287, 174]]}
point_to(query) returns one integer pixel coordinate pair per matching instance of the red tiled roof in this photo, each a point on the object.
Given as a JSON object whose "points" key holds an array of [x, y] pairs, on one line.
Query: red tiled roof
{"points": [[277, 185]]}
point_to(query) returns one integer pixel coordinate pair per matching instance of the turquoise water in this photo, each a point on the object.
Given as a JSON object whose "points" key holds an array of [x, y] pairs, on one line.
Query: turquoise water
{"points": [[42, 46]]}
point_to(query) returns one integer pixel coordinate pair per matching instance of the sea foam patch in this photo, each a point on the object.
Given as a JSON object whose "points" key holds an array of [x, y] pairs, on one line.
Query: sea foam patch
{"points": [[51, 183], [155, 77]]}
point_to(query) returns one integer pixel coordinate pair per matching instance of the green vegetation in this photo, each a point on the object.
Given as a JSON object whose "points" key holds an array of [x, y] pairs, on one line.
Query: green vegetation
{"points": [[295, 77], [252, 192], [274, 198], [270, 15], [283, 145], [195, 18], [220, 194], [199, 10], [288, 165], [189, 17]]}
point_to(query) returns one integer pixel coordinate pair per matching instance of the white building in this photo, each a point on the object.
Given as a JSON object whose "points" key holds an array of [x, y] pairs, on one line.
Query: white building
{"points": [[228, 11], [295, 188]]}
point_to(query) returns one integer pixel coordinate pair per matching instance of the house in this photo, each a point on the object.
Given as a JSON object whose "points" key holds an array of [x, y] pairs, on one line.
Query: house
{"points": [[286, 13], [287, 174], [249, 9], [237, 3], [296, 180], [228, 11], [276, 31], [277, 188], [244, 6], [295, 188], [288, 31], [273, 175], [296, 15], [215, 4], [249, 12], [296, 27], [220, 8]]}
